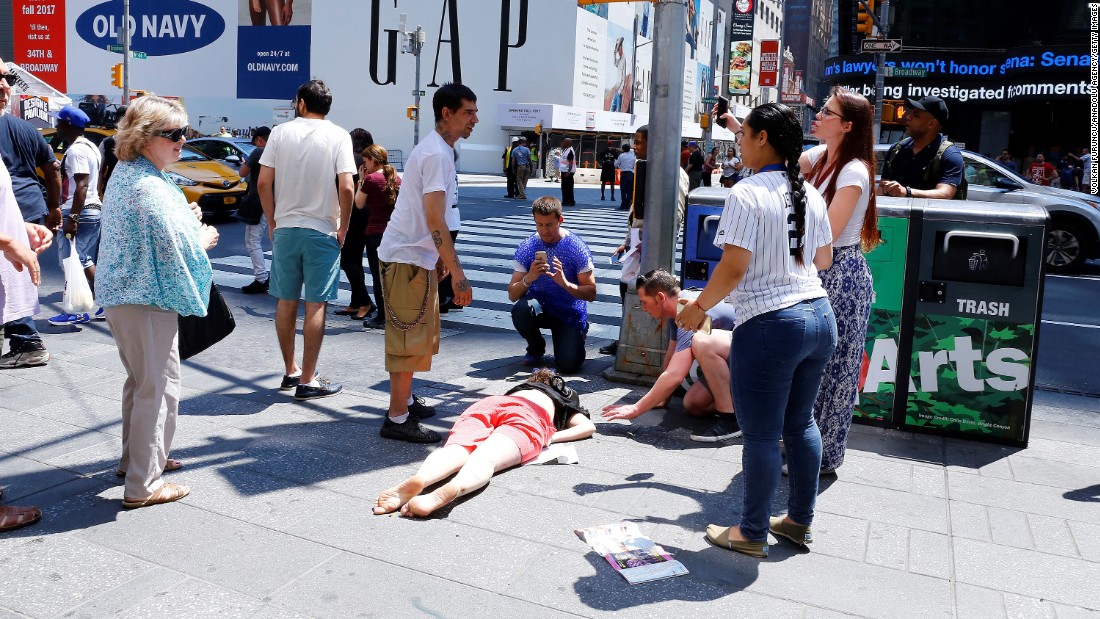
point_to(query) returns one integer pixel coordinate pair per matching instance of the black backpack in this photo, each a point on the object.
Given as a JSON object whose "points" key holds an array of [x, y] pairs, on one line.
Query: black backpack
{"points": [[934, 167]]}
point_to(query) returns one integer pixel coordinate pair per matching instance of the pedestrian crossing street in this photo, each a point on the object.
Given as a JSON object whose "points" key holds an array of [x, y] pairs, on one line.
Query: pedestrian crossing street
{"points": [[486, 248]]}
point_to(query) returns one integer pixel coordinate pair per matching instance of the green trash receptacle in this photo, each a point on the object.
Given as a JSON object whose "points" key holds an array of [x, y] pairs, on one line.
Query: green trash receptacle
{"points": [[956, 312]]}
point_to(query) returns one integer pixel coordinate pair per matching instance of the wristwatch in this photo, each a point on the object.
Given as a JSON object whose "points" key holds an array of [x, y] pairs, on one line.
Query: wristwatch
{"points": [[908, 192]]}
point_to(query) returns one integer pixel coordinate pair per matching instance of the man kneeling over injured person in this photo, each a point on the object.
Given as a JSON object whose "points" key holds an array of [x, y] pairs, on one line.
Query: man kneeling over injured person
{"points": [[659, 294], [493, 434]]}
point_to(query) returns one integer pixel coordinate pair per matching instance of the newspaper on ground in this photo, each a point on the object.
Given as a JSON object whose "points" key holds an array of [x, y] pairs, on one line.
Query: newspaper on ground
{"points": [[632, 554], [558, 453]]}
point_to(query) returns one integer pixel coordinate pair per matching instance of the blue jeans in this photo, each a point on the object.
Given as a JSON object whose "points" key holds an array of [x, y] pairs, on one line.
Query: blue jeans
{"points": [[87, 237], [776, 364], [528, 317], [23, 334]]}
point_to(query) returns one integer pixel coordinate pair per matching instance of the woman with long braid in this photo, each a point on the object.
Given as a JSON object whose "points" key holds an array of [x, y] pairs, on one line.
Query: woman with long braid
{"points": [[843, 170], [774, 230]]}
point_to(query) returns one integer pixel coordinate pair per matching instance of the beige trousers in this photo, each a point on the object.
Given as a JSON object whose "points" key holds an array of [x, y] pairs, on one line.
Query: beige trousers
{"points": [[147, 342]]}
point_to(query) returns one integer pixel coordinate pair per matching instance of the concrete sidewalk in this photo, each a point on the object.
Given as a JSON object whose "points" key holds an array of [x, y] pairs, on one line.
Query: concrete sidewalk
{"points": [[278, 523]]}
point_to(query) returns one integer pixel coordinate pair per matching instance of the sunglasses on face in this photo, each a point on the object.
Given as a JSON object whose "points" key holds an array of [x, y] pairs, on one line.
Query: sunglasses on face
{"points": [[175, 135], [9, 78]]}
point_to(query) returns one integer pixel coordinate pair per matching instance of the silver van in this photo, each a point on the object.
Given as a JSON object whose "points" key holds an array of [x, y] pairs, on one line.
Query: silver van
{"points": [[1074, 234]]}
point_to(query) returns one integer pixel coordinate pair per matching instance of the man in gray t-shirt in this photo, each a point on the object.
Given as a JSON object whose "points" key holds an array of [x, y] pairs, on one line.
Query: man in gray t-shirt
{"points": [[659, 295]]}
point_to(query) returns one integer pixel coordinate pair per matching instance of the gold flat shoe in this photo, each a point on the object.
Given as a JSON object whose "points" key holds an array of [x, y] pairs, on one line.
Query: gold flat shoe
{"points": [[719, 536], [797, 533]]}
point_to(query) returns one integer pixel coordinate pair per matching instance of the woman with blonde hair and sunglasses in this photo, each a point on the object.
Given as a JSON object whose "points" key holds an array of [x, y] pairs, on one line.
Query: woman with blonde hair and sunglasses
{"points": [[153, 268], [377, 192]]}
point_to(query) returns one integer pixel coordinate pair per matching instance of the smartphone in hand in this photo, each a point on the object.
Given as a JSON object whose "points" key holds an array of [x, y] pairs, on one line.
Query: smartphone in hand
{"points": [[723, 107]]}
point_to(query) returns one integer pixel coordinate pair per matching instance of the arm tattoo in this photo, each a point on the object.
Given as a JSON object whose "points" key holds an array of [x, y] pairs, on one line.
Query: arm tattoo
{"points": [[462, 286], [436, 238]]}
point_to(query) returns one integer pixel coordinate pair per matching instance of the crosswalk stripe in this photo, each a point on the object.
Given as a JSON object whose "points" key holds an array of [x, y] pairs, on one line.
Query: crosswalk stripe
{"points": [[486, 248]]}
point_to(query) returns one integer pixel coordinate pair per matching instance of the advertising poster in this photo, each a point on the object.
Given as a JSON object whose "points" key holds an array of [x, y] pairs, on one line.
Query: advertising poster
{"points": [[38, 33], [617, 77], [769, 64], [879, 372], [691, 27], [972, 376], [740, 61], [35, 110], [588, 74], [273, 39]]}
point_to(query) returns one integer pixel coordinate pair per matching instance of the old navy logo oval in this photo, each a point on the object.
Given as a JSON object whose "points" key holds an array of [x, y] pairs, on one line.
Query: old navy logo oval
{"points": [[157, 27]]}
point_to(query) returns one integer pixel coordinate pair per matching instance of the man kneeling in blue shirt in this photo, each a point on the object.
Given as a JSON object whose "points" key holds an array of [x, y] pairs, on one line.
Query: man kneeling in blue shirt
{"points": [[551, 286]]}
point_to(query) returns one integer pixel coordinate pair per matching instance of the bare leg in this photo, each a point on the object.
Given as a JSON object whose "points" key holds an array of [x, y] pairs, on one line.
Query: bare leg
{"points": [[313, 332], [498, 452], [275, 12], [256, 12], [440, 464], [712, 351], [286, 322], [698, 400], [401, 384]]}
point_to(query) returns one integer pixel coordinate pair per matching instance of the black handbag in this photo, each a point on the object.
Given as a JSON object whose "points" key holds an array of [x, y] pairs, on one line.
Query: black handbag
{"points": [[197, 333]]}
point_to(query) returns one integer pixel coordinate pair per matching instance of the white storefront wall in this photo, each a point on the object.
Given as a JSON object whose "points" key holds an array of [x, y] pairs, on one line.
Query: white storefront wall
{"points": [[505, 59]]}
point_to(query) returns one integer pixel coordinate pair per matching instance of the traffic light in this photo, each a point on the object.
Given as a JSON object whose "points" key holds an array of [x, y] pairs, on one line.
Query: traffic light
{"points": [[704, 121], [538, 128], [865, 21], [893, 112], [116, 75], [412, 112]]}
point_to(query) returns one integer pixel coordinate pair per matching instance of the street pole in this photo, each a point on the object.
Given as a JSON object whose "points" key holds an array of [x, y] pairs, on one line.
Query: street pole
{"points": [[643, 340], [782, 56], [125, 51], [711, 88], [413, 44], [880, 72]]}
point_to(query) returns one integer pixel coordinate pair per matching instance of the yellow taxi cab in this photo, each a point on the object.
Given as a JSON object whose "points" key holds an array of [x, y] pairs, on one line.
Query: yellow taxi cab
{"points": [[215, 186]]}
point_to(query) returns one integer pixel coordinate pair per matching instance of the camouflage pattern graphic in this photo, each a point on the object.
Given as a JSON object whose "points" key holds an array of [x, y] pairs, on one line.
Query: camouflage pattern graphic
{"points": [[878, 405], [976, 376]]}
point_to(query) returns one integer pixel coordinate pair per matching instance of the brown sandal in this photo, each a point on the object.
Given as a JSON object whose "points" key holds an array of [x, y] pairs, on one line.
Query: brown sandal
{"points": [[165, 494], [172, 465], [13, 517]]}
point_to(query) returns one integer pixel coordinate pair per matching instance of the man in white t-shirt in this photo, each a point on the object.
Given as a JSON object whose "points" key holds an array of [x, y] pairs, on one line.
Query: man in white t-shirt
{"points": [[306, 188], [416, 251], [80, 203]]}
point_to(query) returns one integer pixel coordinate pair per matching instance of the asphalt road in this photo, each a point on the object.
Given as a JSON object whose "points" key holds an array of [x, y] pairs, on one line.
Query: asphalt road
{"points": [[1069, 336]]}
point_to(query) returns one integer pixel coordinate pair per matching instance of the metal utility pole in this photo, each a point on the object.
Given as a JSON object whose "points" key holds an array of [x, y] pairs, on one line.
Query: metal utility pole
{"points": [[125, 34], [712, 89], [642, 339], [880, 72], [414, 43]]}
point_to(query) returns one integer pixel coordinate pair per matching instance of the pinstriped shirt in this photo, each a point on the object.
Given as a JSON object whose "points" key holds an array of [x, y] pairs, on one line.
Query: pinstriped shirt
{"points": [[755, 218]]}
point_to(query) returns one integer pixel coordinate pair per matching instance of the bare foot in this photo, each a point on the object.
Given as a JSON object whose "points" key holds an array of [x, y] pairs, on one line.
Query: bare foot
{"points": [[422, 506], [393, 499]]}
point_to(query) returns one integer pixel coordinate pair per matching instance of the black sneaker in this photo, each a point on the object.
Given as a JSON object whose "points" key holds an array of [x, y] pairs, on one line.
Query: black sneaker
{"points": [[256, 287], [411, 431], [420, 409], [724, 427], [375, 322], [290, 382], [610, 349], [323, 389]]}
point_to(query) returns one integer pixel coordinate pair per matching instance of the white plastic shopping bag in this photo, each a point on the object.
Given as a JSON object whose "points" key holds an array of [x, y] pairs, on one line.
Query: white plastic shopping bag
{"points": [[78, 294]]}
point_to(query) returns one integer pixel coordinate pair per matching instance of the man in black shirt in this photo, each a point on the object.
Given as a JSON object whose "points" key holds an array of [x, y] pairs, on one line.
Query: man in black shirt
{"points": [[921, 166], [694, 166], [607, 169]]}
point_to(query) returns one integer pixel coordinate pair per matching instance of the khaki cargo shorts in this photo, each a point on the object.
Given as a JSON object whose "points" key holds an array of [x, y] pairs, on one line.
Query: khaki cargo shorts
{"points": [[404, 287]]}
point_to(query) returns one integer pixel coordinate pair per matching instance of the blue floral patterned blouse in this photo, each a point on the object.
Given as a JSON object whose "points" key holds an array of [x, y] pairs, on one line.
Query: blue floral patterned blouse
{"points": [[150, 252]]}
